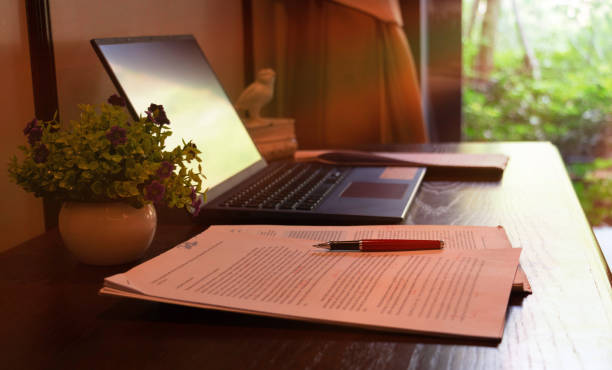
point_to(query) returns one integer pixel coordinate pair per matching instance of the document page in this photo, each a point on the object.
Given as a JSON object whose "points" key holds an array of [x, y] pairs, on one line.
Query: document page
{"points": [[461, 292], [454, 237]]}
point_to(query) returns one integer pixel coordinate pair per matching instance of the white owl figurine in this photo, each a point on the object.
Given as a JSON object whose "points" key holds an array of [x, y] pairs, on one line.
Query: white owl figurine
{"points": [[256, 95]]}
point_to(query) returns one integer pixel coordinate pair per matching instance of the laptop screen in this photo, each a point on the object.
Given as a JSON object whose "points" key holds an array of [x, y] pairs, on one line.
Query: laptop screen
{"points": [[173, 71]]}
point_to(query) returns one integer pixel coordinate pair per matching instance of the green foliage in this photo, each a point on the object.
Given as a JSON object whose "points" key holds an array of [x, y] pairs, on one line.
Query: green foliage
{"points": [[581, 171], [594, 190], [568, 106], [106, 156]]}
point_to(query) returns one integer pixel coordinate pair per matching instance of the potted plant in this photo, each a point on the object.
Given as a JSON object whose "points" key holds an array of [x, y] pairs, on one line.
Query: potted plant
{"points": [[109, 171]]}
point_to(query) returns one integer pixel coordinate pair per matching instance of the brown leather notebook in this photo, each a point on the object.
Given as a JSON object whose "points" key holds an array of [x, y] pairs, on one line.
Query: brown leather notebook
{"points": [[440, 166]]}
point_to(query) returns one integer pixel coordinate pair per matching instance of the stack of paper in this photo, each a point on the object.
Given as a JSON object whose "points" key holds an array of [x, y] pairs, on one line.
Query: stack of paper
{"points": [[461, 290], [454, 237]]}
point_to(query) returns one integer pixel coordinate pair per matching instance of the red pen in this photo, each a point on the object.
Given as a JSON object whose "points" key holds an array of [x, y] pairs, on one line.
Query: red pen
{"points": [[381, 245]]}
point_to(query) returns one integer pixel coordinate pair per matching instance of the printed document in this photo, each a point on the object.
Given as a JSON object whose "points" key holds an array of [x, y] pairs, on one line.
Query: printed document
{"points": [[456, 292], [454, 237]]}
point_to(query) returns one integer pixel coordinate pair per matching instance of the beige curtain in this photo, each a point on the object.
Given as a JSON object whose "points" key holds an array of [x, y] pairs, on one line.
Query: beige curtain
{"points": [[345, 75]]}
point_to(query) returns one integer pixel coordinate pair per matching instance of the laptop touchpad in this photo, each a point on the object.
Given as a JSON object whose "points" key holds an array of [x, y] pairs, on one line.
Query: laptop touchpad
{"points": [[359, 189]]}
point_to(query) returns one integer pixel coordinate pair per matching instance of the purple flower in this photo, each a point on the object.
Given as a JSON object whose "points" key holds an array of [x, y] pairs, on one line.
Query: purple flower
{"points": [[33, 123], [41, 153], [116, 135], [155, 192], [153, 107], [157, 114], [34, 135], [116, 100], [193, 194], [165, 170]]}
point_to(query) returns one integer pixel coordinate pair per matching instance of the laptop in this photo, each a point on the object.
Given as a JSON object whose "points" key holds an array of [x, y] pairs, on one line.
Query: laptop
{"points": [[242, 187]]}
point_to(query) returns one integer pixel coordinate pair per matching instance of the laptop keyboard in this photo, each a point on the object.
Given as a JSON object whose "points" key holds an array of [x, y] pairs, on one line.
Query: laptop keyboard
{"points": [[299, 186]]}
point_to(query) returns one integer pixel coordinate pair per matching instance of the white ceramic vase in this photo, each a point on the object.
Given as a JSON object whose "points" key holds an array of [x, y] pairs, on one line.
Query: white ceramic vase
{"points": [[107, 233]]}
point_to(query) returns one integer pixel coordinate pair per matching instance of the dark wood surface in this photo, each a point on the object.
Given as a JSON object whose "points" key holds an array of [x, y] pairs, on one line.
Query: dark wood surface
{"points": [[53, 316]]}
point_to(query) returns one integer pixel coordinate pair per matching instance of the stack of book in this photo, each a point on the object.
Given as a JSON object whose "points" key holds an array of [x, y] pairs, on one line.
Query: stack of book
{"points": [[274, 137]]}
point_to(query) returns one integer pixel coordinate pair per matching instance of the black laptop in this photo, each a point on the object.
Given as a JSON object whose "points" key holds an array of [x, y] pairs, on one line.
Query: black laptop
{"points": [[242, 186]]}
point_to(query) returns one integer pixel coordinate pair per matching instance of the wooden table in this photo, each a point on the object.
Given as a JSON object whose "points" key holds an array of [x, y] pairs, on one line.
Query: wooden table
{"points": [[54, 318]]}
